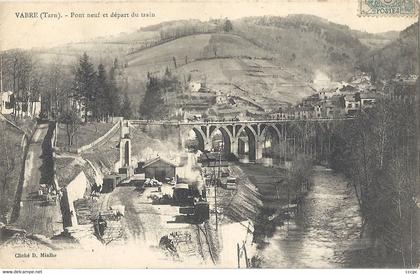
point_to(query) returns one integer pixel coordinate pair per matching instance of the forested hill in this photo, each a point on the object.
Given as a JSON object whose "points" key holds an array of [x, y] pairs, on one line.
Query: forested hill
{"points": [[400, 56], [308, 43]]}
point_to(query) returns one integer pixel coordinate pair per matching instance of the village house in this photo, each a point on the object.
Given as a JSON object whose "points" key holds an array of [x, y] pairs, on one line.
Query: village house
{"points": [[228, 113], [367, 99], [362, 80], [282, 114], [327, 109], [195, 86], [348, 89], [327, 94], [304, 112], [317, 112], [221, 99], [28, 108], [310, 100], [351, 105], [6, 102], [159, 168]]}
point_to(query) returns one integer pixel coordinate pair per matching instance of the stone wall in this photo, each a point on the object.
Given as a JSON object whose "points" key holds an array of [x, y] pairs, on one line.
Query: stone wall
{"points": [[73, 191]]}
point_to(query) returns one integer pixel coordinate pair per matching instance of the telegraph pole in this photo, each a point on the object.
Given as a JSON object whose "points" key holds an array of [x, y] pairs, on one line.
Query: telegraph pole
{"points": [[1, 73], [417, 132], [215, 185], [417, 107], [238, 251], [417, 101], [215, 204]]}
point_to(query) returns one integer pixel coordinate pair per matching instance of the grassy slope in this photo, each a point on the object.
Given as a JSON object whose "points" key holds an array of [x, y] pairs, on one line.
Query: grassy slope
{"points": [[238, 67], [162, 55], [105, 154], [85, 135]]}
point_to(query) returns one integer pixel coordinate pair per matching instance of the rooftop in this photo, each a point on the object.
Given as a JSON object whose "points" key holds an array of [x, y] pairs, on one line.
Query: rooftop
{"points": [[157, 159]]}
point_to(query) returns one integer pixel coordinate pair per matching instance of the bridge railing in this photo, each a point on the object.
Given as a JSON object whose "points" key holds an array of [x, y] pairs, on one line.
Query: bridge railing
{"points": [[228, 122]]}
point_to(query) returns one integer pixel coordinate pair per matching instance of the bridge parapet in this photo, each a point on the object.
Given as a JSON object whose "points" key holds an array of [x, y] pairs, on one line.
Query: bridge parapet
{"points": [[240, 122]]}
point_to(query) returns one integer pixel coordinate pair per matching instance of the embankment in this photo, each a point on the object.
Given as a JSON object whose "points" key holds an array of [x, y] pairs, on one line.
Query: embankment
{"points": [[26, 140]]}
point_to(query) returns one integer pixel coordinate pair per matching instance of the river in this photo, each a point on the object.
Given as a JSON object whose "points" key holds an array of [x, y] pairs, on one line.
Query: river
{"points": [[324, 233]]}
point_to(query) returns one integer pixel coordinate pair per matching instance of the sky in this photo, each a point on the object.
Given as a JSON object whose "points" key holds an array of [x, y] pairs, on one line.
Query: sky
{"points": [[47, 32]]}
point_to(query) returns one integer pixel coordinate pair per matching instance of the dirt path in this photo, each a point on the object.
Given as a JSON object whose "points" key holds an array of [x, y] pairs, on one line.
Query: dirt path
{"points": [[35, 215]]}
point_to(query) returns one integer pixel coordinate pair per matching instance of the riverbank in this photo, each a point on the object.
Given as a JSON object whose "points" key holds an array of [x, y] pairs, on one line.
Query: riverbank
{"points": [[324, 234]]}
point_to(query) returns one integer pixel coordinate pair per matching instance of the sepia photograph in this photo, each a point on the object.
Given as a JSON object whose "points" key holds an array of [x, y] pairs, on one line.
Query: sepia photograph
{"points": [[210, 134]]}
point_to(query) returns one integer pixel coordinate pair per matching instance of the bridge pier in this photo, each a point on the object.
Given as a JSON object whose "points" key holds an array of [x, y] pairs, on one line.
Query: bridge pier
{"points": [[207, 144], [234, 146], [259, 147], [125, 146]]}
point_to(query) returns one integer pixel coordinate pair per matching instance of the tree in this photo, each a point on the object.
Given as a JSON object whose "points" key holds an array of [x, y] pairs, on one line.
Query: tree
{"points": [[152, 105], [54, 87], [84, 84], [102, 101], [19, 75], [227, 26], [299, 174], [126, 110], [72, 122], [114, 101], [174, 59], [376, 152]]}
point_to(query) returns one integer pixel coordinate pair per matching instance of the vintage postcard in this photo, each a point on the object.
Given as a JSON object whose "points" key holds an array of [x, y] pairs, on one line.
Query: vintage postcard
{"points": [[209, 134]]}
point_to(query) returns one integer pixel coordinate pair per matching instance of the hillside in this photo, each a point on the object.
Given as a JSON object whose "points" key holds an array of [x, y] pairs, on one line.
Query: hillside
{"points": [[306, 43], [375, 41], [227, 63], [261, 59], [399, 56], [105, 49]]}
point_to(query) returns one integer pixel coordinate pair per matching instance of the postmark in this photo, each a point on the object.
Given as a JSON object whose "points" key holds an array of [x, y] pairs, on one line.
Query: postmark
{"points": [[390, 8]]}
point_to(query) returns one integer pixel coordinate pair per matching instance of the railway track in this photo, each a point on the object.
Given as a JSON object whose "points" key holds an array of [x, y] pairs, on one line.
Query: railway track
{"points": [[204, 232]]}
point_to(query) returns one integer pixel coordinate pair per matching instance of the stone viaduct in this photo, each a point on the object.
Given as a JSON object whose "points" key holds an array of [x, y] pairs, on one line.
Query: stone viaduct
{"points": [[255, 130]]}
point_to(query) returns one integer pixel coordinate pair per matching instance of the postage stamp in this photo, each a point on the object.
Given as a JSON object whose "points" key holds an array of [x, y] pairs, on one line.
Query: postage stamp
{"points": [[388, 8]]}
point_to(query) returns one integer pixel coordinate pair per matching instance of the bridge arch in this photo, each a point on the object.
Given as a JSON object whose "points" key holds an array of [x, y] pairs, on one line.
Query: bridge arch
{"points": [[200, 136], [226, 135], [252, 137], [273, 129], [270, 139]]}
